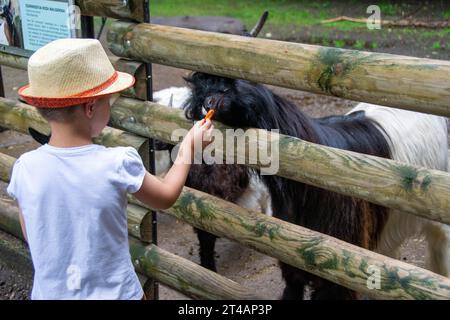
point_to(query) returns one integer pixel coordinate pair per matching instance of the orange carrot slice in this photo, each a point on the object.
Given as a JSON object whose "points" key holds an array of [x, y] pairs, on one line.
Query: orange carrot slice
{"points": [[209, 115]]}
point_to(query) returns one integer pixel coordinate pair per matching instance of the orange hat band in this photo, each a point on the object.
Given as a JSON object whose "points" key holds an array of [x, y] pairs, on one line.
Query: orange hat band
{"points": [[98, 88], [78, 98]]}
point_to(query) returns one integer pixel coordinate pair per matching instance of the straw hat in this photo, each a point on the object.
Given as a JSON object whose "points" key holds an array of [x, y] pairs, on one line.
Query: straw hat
{"points": [[67, 72]]}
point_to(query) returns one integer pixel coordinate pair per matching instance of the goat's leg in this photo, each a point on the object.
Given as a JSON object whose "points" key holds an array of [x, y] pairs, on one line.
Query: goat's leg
{"points": [[207, 243], [295, 280], [402, 226], [438, 254], [399, 227]]}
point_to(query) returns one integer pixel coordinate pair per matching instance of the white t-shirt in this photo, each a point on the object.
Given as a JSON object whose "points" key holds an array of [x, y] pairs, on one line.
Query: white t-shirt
{"points": [[74, 206]]}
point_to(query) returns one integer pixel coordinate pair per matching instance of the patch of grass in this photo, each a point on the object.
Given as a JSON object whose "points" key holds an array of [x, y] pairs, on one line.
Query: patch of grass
{"points": [[280, 12], [374, 45], [325, 43], [345, 25], [435, 33], [436, 45], [448, 46], [339, 43], [389, 9], [359, 44], [409, 30], [321, 4], [446, 15]]}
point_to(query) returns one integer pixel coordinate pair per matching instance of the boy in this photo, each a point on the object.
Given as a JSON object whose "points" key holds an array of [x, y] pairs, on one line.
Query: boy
{"points": [[71, 192]]}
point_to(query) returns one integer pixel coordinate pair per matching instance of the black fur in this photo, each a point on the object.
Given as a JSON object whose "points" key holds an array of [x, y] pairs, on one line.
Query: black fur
{"points": [[39, 137], [216, 180], [240, 103]]}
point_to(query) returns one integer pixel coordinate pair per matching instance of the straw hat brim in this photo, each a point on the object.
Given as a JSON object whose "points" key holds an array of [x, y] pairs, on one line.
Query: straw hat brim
{"points": [[122, 82]]}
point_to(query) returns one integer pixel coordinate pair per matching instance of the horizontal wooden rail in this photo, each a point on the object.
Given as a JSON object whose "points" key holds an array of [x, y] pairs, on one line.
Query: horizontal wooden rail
{"points": [[308, 250], [16, 256], [176, 272], [397, 81], [416, 190], [13, 61], [137, 69], [186, 276], [118, 9], [18, 116]]}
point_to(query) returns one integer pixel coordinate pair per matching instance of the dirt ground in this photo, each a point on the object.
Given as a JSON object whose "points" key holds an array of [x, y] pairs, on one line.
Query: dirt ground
{"points": [[246, 266]]}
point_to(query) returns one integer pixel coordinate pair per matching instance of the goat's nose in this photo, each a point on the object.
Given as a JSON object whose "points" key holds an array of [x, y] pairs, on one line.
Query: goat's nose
{"points": [[209, 102]]}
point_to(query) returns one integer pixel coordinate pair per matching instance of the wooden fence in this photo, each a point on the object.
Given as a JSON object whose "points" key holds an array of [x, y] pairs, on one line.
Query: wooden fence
{"points": [[404, 82]]}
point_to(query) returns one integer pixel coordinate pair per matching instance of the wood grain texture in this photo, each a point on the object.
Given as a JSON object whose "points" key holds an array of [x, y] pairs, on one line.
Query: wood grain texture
{"points": [[392, 80], [186, 276], [393, 184], [6, 164], [13, 61], [118, 9], [19, 116], [136, 69]]}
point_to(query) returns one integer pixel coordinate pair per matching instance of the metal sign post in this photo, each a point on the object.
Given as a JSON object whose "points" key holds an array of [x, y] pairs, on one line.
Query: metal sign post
{"points": [[87, 27], [149, 89]]}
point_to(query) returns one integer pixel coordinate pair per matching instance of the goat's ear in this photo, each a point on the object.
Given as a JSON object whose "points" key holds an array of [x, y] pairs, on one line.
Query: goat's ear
{"points": [[195, 77], [230, 82], [189, 78]]}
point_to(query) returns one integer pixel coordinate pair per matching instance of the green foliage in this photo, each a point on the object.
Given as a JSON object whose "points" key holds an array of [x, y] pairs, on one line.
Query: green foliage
{"points": [[280, 12], [359, 45], [389, 9], [346, 25], [339, 43], [436, 45]]}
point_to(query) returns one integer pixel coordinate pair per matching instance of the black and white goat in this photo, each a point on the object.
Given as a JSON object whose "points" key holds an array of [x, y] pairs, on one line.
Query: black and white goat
{"points": [[410, 137], [234, 183], [247, 189]]}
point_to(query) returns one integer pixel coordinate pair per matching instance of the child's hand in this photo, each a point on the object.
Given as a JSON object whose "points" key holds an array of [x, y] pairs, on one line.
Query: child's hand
{"points": [[199, 136], [162, 193]]}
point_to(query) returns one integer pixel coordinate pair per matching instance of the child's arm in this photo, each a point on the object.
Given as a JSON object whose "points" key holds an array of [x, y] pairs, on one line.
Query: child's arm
{"points": [[162, 193], [22, 225]]}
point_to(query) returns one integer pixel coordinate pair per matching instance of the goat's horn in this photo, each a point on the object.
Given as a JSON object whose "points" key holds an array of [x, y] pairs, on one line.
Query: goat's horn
{"points": [[257, 28], [171, 101]]}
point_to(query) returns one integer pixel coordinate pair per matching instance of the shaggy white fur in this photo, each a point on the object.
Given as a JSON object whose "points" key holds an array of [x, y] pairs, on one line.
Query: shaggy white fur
{"points": [[175, 98], [176, 95], [256, 196], [419, 139]]}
